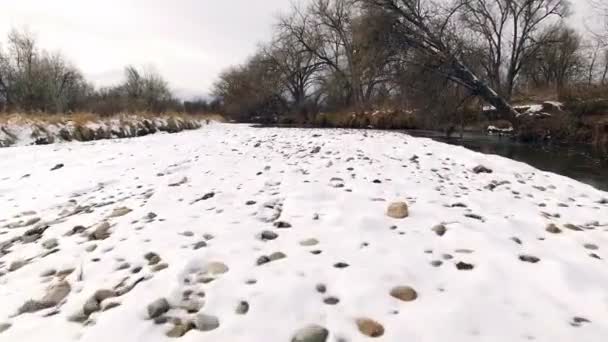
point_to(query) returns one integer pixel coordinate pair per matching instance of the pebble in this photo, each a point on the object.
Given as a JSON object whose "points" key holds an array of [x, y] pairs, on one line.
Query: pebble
{"points": [[398, 210], [404, 293], [369, 327], [205, 322], [242, 308], [158, 308], [439, 229], [311, 333]]}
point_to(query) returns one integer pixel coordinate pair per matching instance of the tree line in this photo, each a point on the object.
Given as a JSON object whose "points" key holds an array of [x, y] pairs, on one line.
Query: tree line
{"points": [[416, 55], [35, 80]]}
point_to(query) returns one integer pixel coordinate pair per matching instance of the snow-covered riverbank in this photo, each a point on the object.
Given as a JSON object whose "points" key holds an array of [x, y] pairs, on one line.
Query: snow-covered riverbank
{"points": [[232, 233]]}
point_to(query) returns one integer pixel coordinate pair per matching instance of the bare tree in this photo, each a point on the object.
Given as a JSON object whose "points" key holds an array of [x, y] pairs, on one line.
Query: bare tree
{"points": [[423, 26], [512, 32]]}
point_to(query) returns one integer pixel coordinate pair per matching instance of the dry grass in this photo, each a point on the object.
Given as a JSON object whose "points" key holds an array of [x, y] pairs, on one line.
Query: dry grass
{"points": [[82, 119]]}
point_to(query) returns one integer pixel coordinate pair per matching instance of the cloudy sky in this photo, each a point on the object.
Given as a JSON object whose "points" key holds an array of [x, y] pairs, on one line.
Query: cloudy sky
{"points": [[188, 41]]}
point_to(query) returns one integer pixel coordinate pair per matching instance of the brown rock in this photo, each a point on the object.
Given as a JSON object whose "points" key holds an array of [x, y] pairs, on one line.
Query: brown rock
{"points": [[404, 293], [369, 327], [398, 210]]}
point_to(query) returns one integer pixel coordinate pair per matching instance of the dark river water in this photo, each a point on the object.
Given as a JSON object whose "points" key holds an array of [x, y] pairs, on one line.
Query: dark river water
{"points": [[580, 162]]}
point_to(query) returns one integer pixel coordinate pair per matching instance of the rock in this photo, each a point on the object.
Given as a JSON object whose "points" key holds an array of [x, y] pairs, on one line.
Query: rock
{"points": [[529, 258], [152, 258], [91, 248], [34, 306], [436, 263], [160, 267], [17, 264], [205, 322], [331, 300], [122, 211], [439, 229], [200, 244], [56, 293], [57, 167], [123, 266], [591, 246], [101, 295], [242, 308], [101, 232], [215, 268], [309, 242], [481, 169], [109, 306], [50, 243], [573, 227], [311, 333], [370, 327], [262, 260], [553, 229], [282, 224], [516, 240], [180, 329], [321, 288], [404, 293], [188, 233], [463, 266], [398, 210], [158, 308], [341, 265], [277, 256], [91, 306], [250, 202], [76, 230], [267, 235], [4, 327], [48, 273]]}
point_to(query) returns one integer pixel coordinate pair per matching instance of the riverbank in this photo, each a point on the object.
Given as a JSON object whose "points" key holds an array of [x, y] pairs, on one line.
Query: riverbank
{"points": [[44, 129], [218, 234]]}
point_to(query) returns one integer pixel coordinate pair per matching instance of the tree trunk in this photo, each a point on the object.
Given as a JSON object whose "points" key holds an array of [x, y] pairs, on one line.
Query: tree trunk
{"points": [[482, 90]]}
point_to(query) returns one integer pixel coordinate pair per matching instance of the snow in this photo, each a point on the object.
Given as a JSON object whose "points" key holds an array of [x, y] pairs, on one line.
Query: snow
{"points": [[225, 166]]}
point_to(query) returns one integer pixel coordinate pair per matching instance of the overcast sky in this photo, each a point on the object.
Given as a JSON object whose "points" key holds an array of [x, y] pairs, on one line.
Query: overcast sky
{"points": [[188, 41]]}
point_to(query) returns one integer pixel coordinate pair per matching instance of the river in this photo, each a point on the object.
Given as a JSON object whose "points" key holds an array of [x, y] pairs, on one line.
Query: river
{"points": [[580, 162]]}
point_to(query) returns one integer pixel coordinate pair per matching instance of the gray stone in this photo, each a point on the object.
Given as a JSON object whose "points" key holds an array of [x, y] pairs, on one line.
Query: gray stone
{"points": [[268, 235], [439, 229], [101, 232], [277, 256], [309, 242], [205, 322], [4, 327], [91, 306], [158, 307], [242, 308], [101, 295], [311, 333], [50, 243]]}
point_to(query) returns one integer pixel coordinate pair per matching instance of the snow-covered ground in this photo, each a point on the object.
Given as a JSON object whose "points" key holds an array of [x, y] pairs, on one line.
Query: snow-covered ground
{"points": [[231, 233]]}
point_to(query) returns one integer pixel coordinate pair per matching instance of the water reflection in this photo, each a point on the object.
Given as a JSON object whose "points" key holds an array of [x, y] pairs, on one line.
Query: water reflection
{"points": [[581, 162]]}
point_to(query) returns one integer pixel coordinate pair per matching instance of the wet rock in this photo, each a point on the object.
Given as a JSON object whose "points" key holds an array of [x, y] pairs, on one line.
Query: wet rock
{"points": [[242, 308], [439, 229], [158, 308], [404, 293], [369, 327], [398, 210], [311, 333], [204, 322]]}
